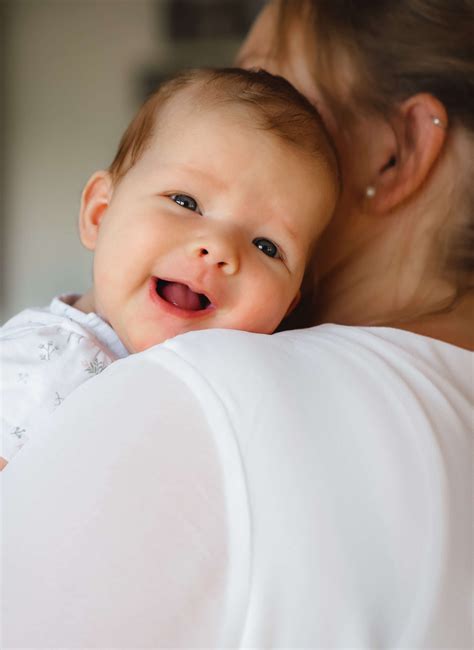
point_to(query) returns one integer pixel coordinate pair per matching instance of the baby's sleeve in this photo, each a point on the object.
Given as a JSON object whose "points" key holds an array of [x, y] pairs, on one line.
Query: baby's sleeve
{"points": [[40, 365]]}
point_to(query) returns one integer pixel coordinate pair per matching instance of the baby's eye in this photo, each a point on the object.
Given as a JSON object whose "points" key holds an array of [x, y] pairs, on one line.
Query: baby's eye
{"points": [[267, 247], [185, 201]]}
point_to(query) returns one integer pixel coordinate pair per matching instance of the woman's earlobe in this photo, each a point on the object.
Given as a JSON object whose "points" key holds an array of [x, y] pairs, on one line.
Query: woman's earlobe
{"points": [[94, 203], [420, 131]]}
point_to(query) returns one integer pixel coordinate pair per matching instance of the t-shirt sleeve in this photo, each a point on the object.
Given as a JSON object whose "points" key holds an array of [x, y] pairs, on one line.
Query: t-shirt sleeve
{"points": [[142, 543]]}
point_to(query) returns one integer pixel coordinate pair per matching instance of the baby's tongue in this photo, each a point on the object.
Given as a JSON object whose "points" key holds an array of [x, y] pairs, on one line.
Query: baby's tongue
{"points": [[181, 296]]}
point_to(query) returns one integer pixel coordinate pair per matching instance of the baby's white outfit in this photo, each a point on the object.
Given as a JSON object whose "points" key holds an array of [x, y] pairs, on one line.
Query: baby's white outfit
{"points": [[45, 353]]}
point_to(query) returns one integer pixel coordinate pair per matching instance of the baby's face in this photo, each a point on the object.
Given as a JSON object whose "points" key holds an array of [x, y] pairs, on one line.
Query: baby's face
{"points": [[211, 228]]}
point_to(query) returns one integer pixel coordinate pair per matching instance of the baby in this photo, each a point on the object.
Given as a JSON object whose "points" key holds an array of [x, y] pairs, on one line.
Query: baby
{"points": [[207, 218]]}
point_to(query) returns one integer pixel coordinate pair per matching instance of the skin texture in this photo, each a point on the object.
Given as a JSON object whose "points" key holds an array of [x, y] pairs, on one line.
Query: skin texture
{"points": [[378, 261], [240, 180]]}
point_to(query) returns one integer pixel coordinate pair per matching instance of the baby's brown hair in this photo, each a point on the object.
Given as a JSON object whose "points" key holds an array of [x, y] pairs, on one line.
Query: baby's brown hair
{"points": [[274, 104]]}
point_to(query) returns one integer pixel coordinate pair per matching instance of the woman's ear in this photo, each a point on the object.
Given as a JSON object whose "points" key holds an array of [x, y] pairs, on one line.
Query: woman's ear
{"points": [[420, 132], [95, 201]]}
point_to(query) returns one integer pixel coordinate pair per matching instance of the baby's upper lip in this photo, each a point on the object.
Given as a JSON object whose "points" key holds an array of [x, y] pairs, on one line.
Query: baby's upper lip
{"points": [[196, 288]]}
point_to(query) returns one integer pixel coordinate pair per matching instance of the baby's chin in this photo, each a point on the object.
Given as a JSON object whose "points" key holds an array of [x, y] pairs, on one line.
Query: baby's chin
{"points": [[139, 341]]}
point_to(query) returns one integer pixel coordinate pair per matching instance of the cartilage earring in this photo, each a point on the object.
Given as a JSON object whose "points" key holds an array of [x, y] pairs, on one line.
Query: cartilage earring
{"points": [[437, 122], [370, 191]]}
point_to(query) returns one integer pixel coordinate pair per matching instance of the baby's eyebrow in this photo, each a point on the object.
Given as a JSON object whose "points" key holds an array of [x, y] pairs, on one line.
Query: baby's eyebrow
{"points": [[292, 233], [192, 172], [285, 221]]}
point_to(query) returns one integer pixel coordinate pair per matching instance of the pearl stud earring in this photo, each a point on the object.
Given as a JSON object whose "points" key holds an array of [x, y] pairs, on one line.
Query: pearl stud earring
{"points": [[370, 192], [437, 122]]}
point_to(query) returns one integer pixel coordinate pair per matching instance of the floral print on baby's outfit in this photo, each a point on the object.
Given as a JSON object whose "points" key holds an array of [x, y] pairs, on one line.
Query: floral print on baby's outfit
{"points": [[44, 355]]}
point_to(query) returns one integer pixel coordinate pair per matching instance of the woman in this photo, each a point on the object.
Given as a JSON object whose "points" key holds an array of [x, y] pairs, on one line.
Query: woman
{"points": [[314, 491]]}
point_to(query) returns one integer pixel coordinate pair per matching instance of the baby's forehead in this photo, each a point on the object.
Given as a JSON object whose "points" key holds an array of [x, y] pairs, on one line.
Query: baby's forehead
{"points": [[202, 113], [197, 114], [199, 100], [264, 104]]}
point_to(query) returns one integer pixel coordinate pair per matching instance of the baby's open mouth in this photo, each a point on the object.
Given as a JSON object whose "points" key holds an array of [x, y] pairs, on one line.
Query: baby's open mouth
{"points": [[181, 296]]}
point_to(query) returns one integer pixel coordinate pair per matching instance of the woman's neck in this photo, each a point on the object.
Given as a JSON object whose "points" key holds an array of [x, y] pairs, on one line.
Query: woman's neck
{"points": [[389, 269], [434, 311], [388, 273], [455, 325]]}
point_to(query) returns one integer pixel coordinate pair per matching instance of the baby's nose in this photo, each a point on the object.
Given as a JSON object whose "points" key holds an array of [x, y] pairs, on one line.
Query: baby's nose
{"points": [[219, 252]]}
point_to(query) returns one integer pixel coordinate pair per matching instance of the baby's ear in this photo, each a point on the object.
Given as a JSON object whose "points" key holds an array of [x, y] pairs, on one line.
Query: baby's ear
{"points": [[95, 201]]}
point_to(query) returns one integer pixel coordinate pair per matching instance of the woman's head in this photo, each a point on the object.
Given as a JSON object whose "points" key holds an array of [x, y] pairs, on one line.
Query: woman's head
{"points": [[394, 81], [395, 49]]}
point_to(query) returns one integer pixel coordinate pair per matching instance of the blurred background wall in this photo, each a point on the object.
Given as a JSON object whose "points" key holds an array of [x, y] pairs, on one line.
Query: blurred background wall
{"points": [[73, 72]]}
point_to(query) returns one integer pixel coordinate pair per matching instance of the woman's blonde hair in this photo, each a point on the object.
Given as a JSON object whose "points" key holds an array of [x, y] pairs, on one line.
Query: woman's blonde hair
{"points": [[398, 48]]}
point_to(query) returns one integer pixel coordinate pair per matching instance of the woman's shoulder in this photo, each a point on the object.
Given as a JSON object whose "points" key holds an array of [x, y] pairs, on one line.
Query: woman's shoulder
{"points": [[346, 436], [325, 351], [328, 336], [331, 370]]}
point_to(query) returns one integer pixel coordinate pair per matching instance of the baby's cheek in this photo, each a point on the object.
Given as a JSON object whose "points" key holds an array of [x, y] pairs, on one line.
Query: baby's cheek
{"points": [[263, 316], [105, 293]]}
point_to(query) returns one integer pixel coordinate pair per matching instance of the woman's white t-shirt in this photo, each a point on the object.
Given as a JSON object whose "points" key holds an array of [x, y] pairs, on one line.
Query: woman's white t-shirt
{"points": [[309, 489]]}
